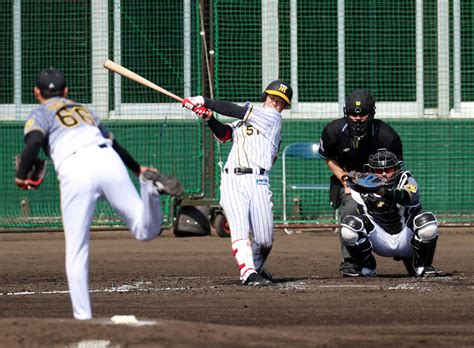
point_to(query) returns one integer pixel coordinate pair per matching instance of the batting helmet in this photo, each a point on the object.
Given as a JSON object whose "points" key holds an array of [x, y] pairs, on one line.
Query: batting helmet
{"points": [[51, 83], [382, 162], [359, 103], [278, 88]]}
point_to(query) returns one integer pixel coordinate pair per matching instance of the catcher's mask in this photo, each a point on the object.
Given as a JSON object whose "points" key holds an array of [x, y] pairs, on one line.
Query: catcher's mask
{"points": [[359, 103], [384, 163], [51, 83], [279, 88]]}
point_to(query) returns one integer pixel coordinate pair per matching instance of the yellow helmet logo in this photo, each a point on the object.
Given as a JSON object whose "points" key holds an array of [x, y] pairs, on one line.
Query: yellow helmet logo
{"points": [[358, 103], [282, 88]]}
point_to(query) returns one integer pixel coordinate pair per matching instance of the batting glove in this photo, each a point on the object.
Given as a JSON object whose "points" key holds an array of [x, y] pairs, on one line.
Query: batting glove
{"points": [[191, 102], [203, 112]]}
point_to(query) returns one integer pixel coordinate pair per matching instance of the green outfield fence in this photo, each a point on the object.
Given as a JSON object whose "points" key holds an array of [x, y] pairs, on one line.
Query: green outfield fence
{"points": [[416, 57]]}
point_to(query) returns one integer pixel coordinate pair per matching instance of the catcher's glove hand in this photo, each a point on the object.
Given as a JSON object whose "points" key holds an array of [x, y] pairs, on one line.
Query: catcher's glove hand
{"points": [[34, 177], [364, 182], [164, 184]]}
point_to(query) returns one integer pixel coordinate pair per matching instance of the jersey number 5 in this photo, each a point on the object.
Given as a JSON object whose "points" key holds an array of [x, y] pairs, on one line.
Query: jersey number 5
{"points": [[71, 117]]}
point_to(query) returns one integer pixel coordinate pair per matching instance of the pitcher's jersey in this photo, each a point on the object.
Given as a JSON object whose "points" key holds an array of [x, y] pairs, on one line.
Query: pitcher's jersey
{"points": [[256, 138], [66, 125]]}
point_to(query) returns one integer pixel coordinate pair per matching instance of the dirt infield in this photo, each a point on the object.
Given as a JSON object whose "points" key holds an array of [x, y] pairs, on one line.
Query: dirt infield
{"points": [[186, 292]]}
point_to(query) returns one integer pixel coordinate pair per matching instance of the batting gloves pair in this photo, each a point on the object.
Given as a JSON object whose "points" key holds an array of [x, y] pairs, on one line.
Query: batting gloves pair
{"points": [[196, 105]]}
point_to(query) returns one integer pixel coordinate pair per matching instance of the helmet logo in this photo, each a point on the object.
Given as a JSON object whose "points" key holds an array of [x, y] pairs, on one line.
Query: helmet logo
{"points": [[282, 88], [358, 109]]}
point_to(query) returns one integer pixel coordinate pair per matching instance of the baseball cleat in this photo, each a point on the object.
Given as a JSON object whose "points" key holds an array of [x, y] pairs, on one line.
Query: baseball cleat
{"points": [[427, 271], [266, 275], [164, 184], [349, 269], [256, 279]]}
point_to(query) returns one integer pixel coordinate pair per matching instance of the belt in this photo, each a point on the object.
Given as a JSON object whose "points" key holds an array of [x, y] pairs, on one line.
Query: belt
{"points": [[243, 170], [103, 146]]}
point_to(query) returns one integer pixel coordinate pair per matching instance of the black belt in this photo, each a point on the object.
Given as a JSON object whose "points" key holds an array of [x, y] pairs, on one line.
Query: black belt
{"points": [[103, 146], [243, 170]]}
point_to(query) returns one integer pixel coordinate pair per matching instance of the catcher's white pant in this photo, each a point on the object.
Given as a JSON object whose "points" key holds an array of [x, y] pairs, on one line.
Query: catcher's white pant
{"points": [[247, 203], [397, 245], [90, 173]]}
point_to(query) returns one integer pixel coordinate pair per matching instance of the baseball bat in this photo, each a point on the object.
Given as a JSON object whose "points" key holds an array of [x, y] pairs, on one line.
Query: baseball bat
{"points": [[112, 66]]}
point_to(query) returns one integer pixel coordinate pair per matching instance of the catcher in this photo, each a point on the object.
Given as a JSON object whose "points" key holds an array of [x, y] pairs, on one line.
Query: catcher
{"points": [[389, 221], [90, 165]]}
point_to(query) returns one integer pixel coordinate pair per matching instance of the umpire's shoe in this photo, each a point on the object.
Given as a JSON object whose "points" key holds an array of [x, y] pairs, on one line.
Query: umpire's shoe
{"points": [[256, 279], [164, 184], [266, 275], [349, 269]]}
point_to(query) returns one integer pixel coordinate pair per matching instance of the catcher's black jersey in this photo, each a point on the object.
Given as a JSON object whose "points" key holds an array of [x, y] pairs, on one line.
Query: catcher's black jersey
{"points": [[337, 144], [392, 217]]}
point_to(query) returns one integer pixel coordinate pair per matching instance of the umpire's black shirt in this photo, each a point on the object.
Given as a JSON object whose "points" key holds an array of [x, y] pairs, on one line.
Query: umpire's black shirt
{"points": [[337, 144]]}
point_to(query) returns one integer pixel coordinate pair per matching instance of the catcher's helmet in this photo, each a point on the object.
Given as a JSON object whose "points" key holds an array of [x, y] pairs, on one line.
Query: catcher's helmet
{"points": [[51, 82], [384, 161], [279, 88], [359, 103]]}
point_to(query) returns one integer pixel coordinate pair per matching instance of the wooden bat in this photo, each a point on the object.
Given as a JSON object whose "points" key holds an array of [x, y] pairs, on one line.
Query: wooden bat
{"points": [[112, 66]]}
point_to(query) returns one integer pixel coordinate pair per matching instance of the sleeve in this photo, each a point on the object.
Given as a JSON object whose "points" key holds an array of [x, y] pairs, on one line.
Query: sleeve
{"points": [[325, 146], [221, 131], [33, 142], [397, 147], [406, 195], [226, 108], [129, 161]]}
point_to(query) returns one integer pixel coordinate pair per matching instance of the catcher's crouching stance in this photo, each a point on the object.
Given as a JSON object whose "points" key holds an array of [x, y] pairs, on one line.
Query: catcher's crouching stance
{"points": [[389, 220]]}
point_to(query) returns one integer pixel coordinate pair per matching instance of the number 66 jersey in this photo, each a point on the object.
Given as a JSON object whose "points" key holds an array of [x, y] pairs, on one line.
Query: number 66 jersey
{"points": [[67, 126]]}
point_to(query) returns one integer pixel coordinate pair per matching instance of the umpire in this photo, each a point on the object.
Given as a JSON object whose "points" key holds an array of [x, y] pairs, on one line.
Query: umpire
{"points": [[346, 145]]}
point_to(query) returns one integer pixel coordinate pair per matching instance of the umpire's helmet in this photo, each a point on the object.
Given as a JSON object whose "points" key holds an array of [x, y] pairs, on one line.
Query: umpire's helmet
{"points": [[279, 88], [383, 162], [51, 83], [359, 103]]}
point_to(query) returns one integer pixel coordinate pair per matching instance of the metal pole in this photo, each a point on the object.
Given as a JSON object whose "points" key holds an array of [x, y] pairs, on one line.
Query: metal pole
{"points": [[443, 58], [420, 99]]}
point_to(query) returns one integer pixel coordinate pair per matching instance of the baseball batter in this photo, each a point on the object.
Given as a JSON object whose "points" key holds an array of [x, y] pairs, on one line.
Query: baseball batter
{"points": [[89, 165], [245, 192], [390, 222]]}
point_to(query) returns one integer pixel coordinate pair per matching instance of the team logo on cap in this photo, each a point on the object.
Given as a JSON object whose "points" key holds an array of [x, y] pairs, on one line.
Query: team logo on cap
{"points": [[282, 88]]}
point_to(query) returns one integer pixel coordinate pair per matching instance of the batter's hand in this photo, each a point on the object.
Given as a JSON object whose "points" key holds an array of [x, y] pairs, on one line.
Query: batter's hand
{"points": [[203, 112], [192, 102]]}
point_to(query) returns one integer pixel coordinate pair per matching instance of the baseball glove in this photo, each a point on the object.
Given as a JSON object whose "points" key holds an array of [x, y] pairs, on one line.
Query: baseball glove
{"points": [[165, 184], [35, 176], [364, 182]]}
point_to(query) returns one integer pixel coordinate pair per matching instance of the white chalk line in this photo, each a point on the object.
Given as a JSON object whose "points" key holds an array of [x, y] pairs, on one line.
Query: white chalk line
{"points": [[308, 284]]}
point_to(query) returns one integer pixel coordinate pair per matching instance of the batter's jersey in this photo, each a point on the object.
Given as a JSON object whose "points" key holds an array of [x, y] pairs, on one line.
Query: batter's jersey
{"points": [[392, 217], [66, 125], [336, 144], [256, 138]]}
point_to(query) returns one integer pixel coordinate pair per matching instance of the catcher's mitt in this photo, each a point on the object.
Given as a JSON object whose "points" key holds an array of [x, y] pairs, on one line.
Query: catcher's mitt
{"points": [[36, 174], [165, 184], [364, 182]]}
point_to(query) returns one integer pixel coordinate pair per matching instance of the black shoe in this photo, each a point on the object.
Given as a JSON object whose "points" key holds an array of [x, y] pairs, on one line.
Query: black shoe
{"points": [[256, 279], [266, 275], [349, 269]]}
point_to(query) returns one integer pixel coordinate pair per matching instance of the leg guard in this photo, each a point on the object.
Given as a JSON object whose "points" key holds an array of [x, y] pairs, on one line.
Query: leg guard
{"points": [[425, 227], [354, 235]]}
